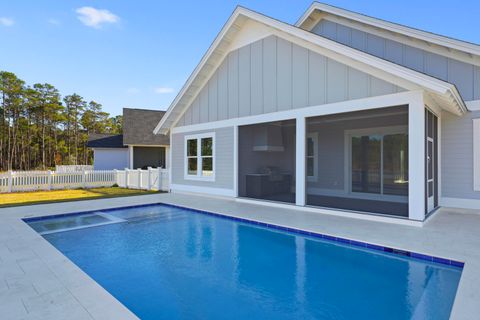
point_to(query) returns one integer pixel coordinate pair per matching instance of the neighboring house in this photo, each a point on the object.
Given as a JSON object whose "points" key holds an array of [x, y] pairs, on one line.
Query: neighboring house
{"points": [[342, 113], [137, 148], [109, 152]]}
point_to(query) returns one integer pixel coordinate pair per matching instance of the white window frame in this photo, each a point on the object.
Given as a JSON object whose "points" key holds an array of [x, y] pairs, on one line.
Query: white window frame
{"points": [[476, 154], [314, 137], [382, 131], [199, 157]]}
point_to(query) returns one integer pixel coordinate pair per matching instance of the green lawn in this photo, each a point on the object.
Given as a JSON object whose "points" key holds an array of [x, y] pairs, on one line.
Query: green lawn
{"points": [[38, 197]]}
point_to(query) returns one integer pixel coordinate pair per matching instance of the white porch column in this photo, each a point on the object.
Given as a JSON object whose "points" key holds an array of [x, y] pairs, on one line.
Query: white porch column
{"points": [[235, 161], [300, 172], [416, 158], [167, 157], [130, 157]]}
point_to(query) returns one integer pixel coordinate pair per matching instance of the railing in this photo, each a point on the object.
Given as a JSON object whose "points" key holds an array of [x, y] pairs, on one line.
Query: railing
{"points": [[21, 181]]}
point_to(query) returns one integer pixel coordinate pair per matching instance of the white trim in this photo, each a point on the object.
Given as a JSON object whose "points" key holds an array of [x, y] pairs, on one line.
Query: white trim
{"points": [[170, 168], [235, 160], [314, 137], [392, 27], [459, 203], [300, 161], [380, 68], [430, 199], [198, 137], [439, 157], [416, 159], [339, 213], [167, 157], [476, 154], [130, 157], [473, 105], [390, 100], [203, 190]]}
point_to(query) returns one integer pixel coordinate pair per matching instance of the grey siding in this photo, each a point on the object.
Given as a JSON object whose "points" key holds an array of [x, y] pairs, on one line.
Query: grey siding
{"points": [[457, 155], [465, 76], [223, 159], [272, 75]]}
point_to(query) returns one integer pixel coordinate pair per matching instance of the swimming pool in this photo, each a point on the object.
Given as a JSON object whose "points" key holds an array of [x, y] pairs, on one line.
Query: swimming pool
{"points": [[164, 262]]}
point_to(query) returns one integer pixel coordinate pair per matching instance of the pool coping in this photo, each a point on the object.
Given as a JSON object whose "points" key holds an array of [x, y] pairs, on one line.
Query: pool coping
{"points": [[356, 243]]}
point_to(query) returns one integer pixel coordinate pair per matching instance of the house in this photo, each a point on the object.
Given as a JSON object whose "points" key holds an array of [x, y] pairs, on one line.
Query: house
{"points": [[340, 113], [136, 148]]}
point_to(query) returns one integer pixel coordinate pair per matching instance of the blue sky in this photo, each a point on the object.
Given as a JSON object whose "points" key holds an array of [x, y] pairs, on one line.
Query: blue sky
{"points": [[139, 53]]}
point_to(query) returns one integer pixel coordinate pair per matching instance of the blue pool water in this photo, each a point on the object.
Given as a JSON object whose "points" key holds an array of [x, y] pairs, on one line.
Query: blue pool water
{"points": [[170, 263]]}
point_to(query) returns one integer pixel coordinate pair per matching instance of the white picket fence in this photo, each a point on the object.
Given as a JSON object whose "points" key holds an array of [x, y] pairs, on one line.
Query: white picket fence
{"points": [[73, 168], [150, 179], [21, 181]]}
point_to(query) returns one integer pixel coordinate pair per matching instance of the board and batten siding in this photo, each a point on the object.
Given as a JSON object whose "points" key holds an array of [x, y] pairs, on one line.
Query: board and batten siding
{"points": [[223, 159], [465, 76], [457, 156], [273, 75]]}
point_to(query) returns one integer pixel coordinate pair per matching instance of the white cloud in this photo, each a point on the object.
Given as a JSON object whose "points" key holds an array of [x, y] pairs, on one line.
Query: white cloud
{"points": [[95, 18], [6, 22], [164, 90], [54, 22]]}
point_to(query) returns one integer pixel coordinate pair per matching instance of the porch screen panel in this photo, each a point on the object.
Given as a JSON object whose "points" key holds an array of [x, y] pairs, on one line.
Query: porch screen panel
{"points": [[266, 161], [366, 164], [358, 161], [395, 164]]}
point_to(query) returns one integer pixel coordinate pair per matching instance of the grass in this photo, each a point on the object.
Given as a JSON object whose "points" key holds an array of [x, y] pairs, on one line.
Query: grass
{"points": [[40, 197]]}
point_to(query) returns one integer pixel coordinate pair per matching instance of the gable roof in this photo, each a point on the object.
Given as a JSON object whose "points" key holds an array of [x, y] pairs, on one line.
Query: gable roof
{"points": [[100, 140], [314, 13], [138, 125], [444, 93]]}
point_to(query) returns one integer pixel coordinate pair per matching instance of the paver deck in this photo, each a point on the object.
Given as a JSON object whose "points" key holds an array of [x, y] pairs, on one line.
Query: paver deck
{"points": [[38, 282]]}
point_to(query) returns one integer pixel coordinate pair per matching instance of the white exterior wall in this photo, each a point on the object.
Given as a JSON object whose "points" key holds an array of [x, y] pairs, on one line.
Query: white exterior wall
{"points": [[110, 158]]}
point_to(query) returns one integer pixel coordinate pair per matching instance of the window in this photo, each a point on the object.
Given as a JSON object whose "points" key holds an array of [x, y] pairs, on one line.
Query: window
{"points": [[379, 161], [199, 157], [312, 157]]}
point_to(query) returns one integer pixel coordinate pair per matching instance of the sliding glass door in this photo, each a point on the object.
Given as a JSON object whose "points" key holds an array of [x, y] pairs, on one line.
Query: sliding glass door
{"points": [[379, 162]]}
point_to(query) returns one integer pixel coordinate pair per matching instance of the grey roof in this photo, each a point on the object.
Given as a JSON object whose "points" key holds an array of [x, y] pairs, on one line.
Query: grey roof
{"points": [[98, 140], [138, 125]]}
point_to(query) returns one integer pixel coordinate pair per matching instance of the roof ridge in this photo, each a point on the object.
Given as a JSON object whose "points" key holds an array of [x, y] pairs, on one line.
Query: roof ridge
{"points": [[321, 6]]}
